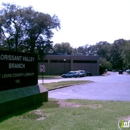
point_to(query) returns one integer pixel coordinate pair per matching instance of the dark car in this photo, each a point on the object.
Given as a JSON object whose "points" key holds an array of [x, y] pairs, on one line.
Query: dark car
{"points": [[120, 71], [88, 73]]}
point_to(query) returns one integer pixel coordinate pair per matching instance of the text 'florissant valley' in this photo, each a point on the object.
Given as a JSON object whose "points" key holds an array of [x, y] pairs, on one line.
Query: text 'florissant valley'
{"points": [[16, 58]]}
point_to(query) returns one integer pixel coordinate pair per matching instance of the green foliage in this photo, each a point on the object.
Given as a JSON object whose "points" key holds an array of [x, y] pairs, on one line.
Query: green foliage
{"points": [[63, 48], [105, 64], [26, 30], [83, 50], [103, 49], [116, 50], [114, 55], [50, 76], [126, 54]]}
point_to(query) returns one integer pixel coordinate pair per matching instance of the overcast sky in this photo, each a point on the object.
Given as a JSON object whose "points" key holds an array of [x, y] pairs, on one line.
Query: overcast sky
{"points": [[85, 21]]}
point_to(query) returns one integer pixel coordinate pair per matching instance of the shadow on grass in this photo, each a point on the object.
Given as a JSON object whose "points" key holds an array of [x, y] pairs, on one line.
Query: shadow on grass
{"points": [[50, 104], [19, 112]]}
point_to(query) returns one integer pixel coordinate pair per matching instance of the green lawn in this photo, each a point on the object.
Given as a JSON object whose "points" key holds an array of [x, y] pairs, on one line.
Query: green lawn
{"points": [[68, 115], [54, 85], [49, 76]]}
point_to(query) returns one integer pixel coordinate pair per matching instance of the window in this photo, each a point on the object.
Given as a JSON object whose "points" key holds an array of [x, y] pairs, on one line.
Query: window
{"points": [[84, 61], [60, 61], [44, 61]]}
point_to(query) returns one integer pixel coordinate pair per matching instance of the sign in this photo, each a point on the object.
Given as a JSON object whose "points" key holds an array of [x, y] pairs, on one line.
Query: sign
{"points": [[17, 70], [42, 68]]}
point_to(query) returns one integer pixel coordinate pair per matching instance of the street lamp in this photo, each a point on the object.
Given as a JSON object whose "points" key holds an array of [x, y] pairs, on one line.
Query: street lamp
{"points": [[64, 64]]}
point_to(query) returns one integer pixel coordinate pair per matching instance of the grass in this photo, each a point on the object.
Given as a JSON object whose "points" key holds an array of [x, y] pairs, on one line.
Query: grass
{"points": [[54, 85], [89, 115], [49, 76]]}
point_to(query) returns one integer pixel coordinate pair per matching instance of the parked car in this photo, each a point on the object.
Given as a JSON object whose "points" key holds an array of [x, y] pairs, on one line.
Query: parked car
{"points": [[88, 73], [128, 71], [120, 72], [82, 73], [70, 74]]}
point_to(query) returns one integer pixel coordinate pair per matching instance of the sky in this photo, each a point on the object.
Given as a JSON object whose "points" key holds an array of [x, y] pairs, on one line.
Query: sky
{"points": [[85, 21]]}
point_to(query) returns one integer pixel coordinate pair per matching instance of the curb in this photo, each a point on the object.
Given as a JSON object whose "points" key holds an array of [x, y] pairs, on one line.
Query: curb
{"points": [[105, 74], [62, 87], [68, 85]]}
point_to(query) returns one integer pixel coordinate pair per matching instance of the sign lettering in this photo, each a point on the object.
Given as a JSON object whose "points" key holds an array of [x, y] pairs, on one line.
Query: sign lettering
{"points": [[17, 70]]}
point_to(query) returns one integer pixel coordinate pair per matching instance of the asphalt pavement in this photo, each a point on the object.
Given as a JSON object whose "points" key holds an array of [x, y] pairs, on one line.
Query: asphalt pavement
{"points": [[115, 87]]}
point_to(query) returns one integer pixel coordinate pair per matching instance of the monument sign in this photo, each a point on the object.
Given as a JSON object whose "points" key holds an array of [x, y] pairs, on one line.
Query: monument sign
{"points": [[17, 70]]}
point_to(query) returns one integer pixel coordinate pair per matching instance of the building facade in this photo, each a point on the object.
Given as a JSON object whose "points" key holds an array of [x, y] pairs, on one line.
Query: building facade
{"points": [[59, 64]]}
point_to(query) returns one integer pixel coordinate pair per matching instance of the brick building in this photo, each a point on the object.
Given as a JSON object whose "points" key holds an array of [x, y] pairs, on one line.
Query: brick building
{"points": [[59, 64]]}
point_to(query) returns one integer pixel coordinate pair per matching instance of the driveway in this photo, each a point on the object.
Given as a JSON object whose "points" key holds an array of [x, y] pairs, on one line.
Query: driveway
{"points": [[112, 87]]}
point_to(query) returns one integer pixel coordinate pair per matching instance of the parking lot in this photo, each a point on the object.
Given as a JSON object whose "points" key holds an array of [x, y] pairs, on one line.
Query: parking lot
{"points": [[111, 87]]}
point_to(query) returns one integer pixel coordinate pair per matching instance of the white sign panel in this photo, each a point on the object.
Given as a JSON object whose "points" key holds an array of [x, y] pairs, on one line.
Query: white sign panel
{"points": [[42, 68]]}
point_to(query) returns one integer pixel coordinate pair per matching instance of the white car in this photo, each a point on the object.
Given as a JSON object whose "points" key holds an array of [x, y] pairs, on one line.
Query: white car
{"points": [[70, 75], [128, 71]]}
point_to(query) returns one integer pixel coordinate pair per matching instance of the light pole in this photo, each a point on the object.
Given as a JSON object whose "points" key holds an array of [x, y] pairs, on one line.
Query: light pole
{"points": [[100, 69], [64, 64]]}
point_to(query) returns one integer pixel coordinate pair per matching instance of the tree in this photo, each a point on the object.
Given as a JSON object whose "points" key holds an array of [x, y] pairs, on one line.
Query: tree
{"points": [[79, 51], [9, 27], [74, 51], [24, 29], [83, 50], [116, 50], [103, 49], [111, 52], [92, 50], [105, 64], [126, 55], [63, 48]]}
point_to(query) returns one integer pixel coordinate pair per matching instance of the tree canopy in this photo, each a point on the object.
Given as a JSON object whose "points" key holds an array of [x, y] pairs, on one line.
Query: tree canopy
{"points": [[125, 54], [114, 55], [25, 30], [63, 48]]}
